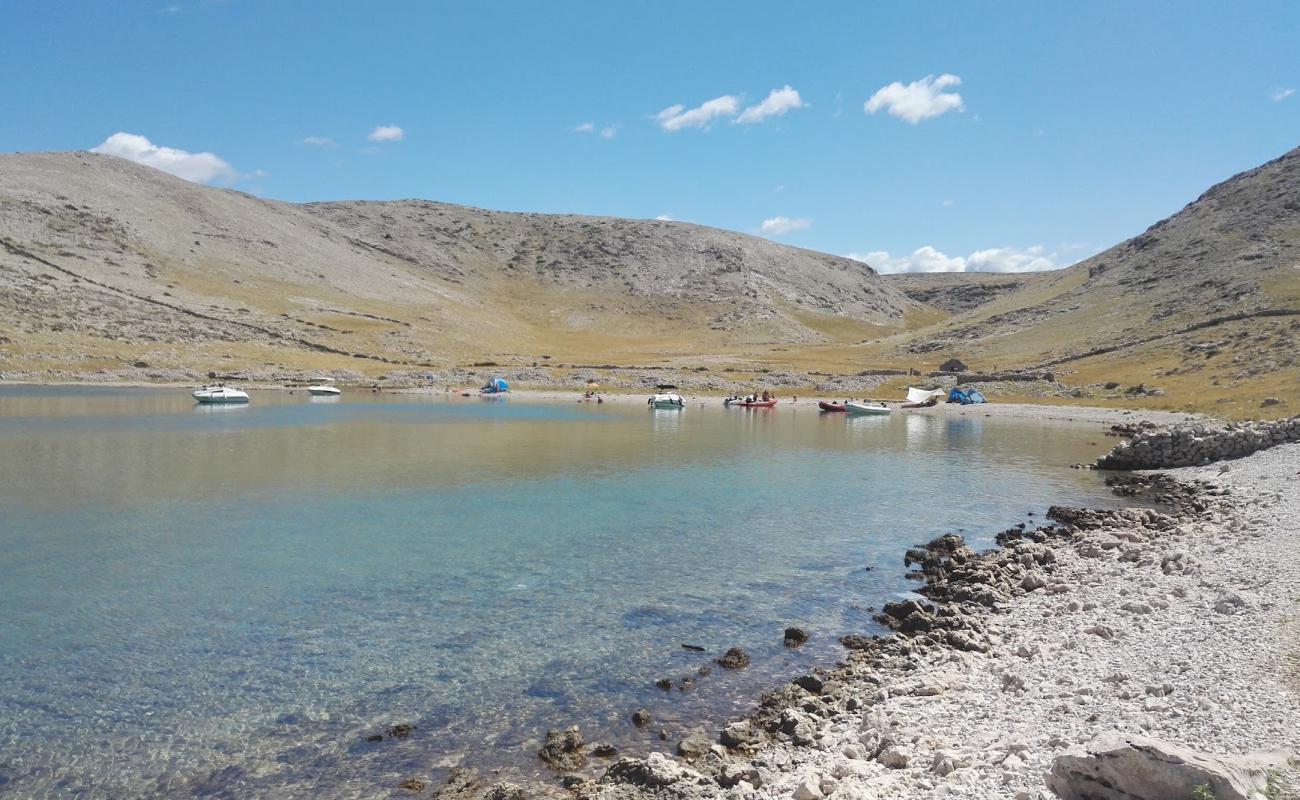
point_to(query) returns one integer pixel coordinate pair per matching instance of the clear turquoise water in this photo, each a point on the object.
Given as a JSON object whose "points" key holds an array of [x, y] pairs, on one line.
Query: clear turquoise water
{"points": [[227, 602]]}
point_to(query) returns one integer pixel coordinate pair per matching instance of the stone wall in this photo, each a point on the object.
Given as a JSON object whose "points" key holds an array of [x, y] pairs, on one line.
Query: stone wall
{"points": [[1198, 444]]}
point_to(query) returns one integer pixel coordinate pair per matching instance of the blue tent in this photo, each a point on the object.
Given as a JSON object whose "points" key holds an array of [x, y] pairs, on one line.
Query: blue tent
{"points": [[496, 386], [966, 398]]}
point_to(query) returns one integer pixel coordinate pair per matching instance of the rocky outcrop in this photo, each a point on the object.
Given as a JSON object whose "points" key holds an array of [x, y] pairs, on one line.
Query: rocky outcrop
{"points": [[734, 658], [653, 771], [1119, 767], [563, 750], [1199, 444]]}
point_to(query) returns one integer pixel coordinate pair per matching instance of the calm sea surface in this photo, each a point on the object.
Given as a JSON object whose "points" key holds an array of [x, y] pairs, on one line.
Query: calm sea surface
{"points": [[226, 602]]}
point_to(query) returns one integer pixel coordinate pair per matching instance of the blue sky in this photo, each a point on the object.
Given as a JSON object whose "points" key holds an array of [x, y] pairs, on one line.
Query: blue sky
{"points": [[1077, 125]]}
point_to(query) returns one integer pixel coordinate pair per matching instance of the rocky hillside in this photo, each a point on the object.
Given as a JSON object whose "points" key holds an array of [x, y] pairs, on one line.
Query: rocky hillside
{"points": [[104, 262], [1203, 306], [1234, 252], [957, 292]]}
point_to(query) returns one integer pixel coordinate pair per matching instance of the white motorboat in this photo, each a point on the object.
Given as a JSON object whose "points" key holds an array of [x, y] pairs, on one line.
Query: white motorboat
{"points": [[666, 400], [854, 407], [324, 390], [220, 394]]}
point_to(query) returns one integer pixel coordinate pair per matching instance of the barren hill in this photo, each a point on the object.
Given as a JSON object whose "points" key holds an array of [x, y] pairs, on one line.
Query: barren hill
{"points": [[104, 262], [1205, 301]]}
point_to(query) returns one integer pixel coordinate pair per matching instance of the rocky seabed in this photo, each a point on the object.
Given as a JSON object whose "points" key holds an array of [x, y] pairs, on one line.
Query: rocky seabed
{"points": [[1198, 444], [1112, 655]]}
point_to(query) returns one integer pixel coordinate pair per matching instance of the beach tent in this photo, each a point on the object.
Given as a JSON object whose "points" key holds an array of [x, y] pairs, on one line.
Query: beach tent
{"points": [[966, 398], [921, 396], [496, 386]]}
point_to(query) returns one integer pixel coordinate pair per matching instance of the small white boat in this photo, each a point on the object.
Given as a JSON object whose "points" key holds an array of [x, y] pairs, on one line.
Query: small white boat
{"points": [[854, 407], [220, 394], [667, 400], [324, 390]]}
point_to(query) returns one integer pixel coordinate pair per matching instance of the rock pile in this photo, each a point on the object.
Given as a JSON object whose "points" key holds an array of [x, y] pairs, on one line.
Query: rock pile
{"points": [[1199, 444]]}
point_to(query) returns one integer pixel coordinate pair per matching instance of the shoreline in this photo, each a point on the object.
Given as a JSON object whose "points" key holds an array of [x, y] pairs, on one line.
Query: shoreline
{"points": [[1181, 623], [1041, 411]]}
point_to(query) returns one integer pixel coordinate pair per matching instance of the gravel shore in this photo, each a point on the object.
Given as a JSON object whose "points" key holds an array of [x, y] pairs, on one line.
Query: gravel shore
{"points": [[1181, 624]]}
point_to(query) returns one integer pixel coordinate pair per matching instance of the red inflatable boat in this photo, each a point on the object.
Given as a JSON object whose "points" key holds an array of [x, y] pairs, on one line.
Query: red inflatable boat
{"points": [[825, 406]]}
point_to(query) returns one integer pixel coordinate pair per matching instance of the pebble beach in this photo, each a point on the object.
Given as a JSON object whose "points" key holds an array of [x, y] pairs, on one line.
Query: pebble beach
{"points": [[1180, 623]]}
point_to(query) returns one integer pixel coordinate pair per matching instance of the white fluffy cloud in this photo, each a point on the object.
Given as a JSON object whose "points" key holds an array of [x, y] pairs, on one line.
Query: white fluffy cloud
{"points": [[586, 127], [777, 103], [923, 259], [196, 167], [676, 117], [777, 226], [387, 133], [665, 218], [996, 259], [1279, 94], [319, 141], [918, 100]]}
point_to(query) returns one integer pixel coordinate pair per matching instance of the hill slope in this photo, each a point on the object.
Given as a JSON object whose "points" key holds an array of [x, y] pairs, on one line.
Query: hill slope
{"points": [[1206, 302], [103, 261]]}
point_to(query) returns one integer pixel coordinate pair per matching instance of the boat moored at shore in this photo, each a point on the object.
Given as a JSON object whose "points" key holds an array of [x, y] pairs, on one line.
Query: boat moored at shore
{"points": [[856, 407], [666, 400], [220, 394]]}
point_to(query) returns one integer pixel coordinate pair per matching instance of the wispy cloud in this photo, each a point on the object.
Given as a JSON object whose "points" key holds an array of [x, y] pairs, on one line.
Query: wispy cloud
{"points": [[948, 203], [1279, 94], [777, 226], [318, 141], [197, 167], [676, 117], [607, 131], [777, 102], [665, 218], [995, 259], [918, 100], [387, 133]]}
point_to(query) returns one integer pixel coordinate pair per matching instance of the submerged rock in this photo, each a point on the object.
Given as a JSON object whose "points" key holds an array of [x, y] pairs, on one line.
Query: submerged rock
{"points": [[734, 658], [401, 731], [795, 637], [505, 791], [462, 784], [563, 750], [641, 718]]}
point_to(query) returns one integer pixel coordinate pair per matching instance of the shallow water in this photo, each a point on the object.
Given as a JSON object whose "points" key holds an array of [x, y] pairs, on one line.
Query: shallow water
{"points": [[226, 602]]}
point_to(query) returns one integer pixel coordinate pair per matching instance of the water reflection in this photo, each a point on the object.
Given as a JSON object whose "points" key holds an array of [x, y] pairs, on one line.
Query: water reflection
{"points": [[256, 592], [219, 408]]}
